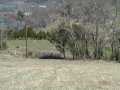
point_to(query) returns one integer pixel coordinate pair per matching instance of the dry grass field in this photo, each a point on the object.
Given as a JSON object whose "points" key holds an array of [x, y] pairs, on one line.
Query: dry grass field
{"points": [[34, 74]]}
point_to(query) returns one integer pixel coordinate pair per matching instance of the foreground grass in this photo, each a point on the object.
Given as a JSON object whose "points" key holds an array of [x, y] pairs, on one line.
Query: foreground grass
{"points": [[33, 74]]}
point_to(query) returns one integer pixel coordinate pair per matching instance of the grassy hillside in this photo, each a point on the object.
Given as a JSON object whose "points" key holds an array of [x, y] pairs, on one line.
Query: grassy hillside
{"points": [[39, 45], [33, 74]]}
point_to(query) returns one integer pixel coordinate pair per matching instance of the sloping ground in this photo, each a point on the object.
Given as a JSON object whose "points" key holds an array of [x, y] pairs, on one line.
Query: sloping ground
{"points": [[33, 74], [42, 45]]}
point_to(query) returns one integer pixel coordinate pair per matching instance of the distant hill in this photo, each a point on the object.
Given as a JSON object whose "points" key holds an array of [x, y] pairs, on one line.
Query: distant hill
{"points": [[27, 1], [36, 1]]}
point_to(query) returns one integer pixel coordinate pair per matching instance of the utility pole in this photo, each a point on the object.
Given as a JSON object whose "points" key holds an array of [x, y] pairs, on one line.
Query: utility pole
{"points": [[26, 36], [1, 34], [1, 41], [26, 41]]}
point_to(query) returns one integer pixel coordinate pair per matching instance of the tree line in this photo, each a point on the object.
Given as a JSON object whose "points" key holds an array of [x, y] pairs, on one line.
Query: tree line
{"points": [[88, 29], [20, 34]]}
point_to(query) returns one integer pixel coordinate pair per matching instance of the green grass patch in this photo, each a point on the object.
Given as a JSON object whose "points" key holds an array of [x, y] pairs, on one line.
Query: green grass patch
{"points": [[40, 45]]}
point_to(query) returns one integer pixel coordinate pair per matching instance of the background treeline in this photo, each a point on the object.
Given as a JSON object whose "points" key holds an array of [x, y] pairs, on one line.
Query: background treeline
{"points": [[88, 29]]}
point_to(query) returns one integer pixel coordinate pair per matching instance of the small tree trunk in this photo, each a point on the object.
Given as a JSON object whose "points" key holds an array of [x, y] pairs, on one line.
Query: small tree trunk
{"points": [[86, 47], [64, 54], [96, 43], [112, 51]]}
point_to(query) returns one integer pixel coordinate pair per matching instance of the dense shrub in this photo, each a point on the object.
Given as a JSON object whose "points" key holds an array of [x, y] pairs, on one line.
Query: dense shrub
{"points": [[43, 35], [4, 46], [21, 33], [49, 55]]}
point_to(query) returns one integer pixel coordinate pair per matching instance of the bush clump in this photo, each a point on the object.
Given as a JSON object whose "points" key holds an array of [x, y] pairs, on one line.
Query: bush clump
{"points": [[4, 45], [50, 55]]}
